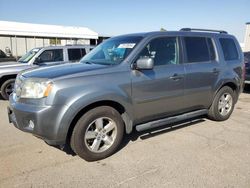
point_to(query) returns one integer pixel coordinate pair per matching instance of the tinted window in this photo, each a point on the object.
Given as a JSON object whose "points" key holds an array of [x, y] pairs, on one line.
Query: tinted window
{"points": [[229, 49], [197, 49], [2, 54], [52, 55], [162, 50], [76, 54]]}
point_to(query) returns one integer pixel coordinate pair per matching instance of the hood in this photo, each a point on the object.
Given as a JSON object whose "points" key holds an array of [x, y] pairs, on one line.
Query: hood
{"points": [[11, 64], [61, 70]]}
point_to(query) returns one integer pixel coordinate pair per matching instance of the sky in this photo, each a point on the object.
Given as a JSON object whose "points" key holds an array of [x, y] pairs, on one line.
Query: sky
{"points": [[115, 17]]}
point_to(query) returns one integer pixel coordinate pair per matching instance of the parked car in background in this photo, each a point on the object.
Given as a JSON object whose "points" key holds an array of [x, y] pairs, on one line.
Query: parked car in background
{"points": [[140, 81], [5, 58], [37, 57], [247, 67]]}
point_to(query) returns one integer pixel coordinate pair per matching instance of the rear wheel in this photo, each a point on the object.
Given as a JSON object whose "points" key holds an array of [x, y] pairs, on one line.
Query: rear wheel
{"points": [[223, 104], [98, 133], [7, 88]]}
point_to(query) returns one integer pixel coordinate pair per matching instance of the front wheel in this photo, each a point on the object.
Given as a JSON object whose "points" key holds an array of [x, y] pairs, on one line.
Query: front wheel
{"points": [[223, 104], [7, 88], [98, 133]]}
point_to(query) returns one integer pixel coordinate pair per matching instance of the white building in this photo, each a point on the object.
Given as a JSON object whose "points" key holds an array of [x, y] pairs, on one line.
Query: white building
{"points": [[247, 38], [22, 37]]}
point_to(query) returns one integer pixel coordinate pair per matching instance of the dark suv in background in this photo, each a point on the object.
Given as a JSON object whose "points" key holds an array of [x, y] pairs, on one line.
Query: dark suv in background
{"points": [[140, 81], [247, 67]]}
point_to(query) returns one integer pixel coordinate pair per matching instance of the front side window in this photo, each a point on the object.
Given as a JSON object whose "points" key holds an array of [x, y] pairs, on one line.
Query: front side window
{"points": [[51, 56], [112, 51], [197, 49], [164, 51], [229, 49], [75, 54]]}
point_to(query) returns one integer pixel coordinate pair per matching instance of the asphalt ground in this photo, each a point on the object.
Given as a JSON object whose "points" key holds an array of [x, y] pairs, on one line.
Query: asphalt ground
{"points": [[198, 153]]}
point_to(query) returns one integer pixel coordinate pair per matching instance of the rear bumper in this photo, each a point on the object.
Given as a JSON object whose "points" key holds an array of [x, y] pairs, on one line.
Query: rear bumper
{"points": [[43, 122]]}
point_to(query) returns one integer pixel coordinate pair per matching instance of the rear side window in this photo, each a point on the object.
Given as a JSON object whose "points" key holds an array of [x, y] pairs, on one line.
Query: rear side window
{"points": [[197, 49], [229, 49], [76, 54]]}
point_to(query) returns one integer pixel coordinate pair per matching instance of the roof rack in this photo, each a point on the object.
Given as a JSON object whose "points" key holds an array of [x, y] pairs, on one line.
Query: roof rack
{"points": [[209, 30]]}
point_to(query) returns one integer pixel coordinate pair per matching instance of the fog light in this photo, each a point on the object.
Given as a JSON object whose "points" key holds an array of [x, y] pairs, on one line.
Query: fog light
{"points": [[31, 124]]}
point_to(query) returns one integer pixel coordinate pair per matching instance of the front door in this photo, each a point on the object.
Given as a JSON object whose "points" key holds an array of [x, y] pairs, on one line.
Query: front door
{"points": [[158, 92]]}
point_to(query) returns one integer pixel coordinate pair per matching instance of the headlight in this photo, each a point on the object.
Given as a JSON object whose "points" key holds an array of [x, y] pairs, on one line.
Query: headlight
{"points": [[36, 88]]}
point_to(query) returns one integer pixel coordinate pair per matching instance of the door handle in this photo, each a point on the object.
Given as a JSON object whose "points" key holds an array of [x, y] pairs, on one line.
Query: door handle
{"points": [[216, 71], [176, 77]]}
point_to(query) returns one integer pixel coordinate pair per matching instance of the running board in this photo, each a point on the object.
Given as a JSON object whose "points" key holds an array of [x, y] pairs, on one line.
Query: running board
{"points": [[173, 119]]}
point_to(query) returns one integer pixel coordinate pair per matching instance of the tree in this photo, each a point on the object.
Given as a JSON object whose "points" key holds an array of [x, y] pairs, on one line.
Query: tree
{"points": [[162, 29]]}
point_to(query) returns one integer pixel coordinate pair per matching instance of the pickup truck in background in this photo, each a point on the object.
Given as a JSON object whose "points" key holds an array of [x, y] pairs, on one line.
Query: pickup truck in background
{"points": [[47, 56]]}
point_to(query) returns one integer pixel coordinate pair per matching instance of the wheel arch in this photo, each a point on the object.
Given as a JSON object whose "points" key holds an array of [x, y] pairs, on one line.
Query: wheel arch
{"points": [[6, 77], [112, 103], [233, 85]]}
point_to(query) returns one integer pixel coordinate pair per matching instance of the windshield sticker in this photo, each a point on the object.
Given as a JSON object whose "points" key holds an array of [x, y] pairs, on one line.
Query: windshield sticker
{"points": [[126, 45]]}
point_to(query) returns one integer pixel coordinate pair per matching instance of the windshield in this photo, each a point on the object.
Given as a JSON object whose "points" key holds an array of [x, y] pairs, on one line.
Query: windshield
{"points": [[25, 58], [112, 51]]}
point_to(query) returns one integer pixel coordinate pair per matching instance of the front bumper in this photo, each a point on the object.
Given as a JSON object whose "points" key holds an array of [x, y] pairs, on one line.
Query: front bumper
{"points": [[45, 122]]}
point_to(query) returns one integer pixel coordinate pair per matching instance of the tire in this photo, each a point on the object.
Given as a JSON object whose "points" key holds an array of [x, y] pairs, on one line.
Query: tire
{"points": [[216, 111], [7, 88], [103, 141]]}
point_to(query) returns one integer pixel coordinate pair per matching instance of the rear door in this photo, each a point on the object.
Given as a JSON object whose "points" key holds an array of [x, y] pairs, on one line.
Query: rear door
{"points": [[159, 92], [202, 71]]}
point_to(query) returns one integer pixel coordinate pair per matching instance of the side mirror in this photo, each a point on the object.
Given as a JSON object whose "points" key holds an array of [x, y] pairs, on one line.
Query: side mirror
{"points": [[144, 63], [38, 60]]}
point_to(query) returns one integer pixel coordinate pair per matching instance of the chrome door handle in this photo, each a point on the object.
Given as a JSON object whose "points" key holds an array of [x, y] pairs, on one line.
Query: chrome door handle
{"points": [[176, 77]]}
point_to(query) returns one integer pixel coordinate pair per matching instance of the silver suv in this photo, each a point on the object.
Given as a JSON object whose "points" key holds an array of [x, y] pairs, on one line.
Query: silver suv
{"points": [[37, 57], [139, 81]]}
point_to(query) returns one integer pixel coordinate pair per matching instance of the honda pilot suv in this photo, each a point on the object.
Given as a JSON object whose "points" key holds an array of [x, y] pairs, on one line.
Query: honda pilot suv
{"points": [[136, 81], [38, 57]]}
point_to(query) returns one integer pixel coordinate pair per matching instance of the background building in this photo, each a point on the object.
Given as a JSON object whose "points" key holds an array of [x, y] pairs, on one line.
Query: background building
{"points": [[22, 37], [247, 38]]}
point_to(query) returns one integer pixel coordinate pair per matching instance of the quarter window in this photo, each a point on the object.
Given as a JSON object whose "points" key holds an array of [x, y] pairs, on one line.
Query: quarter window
{"points": [[229, 49], [197, 49], [75, 54], [51, 55], [164, 51]]}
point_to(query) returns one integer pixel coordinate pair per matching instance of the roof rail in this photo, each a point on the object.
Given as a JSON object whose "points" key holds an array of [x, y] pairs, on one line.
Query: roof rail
{"points": [[209, 30]]}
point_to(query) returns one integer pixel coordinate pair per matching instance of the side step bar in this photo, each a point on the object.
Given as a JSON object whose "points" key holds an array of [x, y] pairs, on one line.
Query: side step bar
{"points": [[173, 119]]}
